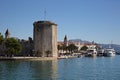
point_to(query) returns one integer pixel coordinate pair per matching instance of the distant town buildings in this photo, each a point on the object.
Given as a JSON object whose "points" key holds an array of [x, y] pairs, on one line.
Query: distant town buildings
{"points": [[78, 44], [66, 42]]}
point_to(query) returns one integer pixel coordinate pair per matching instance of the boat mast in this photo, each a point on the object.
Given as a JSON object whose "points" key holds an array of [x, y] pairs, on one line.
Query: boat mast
{"points": [[110, 46]]}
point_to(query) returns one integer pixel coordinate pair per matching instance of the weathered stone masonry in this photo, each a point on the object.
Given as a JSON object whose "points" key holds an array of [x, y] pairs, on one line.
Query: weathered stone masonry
{"points": [[45, 37]]}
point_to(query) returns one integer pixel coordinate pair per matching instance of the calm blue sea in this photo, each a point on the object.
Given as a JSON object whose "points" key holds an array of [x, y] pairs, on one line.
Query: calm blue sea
{"points": [[85, 68]]}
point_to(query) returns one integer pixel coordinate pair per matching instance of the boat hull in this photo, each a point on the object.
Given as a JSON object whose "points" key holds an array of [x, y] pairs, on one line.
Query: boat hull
{"points": [[110, 54]]}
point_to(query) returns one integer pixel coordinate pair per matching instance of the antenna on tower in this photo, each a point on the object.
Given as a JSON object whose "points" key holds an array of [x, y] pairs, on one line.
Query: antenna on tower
{"points": [[44, 15]]}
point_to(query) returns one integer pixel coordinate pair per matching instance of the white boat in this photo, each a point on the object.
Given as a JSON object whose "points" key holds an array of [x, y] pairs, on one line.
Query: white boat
{"points": [[109, 52], [91, 53], [100, 52]]}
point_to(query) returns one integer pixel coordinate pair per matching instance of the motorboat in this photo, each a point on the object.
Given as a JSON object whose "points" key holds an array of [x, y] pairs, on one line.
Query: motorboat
{"points": [[100, 52], [91, 53], [109, 52]]}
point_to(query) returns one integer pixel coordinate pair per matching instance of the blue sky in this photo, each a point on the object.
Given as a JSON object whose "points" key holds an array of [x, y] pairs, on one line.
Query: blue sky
{"points": [[92, 20]]}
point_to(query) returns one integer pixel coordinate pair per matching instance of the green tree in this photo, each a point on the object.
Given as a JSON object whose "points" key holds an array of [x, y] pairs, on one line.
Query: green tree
{"points": [[12, 46], [1, 38], [72, 48], [59, 47], [64, 48], [84, 48]]}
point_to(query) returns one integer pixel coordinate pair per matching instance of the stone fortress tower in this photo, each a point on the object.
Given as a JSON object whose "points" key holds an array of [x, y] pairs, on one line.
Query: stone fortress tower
{"points": [[45, 38]]}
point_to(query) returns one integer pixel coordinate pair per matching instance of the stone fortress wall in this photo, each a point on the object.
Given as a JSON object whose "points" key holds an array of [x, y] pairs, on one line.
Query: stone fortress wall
{"points": [[45, 37]]}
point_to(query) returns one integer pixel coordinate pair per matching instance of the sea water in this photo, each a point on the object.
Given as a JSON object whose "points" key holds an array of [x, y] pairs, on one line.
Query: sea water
{"points": [[85, 68]]}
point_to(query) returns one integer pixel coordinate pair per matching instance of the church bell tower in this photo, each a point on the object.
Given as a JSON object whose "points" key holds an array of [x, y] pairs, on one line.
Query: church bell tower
{"points": [[7, 34]]}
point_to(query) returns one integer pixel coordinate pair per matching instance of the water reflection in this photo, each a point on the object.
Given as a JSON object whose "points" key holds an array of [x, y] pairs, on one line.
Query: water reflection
{"points": [[65, 69], [44, 70], [28, 70], [8, 70]]}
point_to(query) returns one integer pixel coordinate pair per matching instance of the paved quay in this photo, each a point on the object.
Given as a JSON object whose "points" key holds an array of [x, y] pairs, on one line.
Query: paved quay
{"points": [[36, 58], [28, 58]]}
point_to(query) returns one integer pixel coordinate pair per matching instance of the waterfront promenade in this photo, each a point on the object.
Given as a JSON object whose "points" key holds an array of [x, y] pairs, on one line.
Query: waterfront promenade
{"points": [[36, 58], [28, 58]]}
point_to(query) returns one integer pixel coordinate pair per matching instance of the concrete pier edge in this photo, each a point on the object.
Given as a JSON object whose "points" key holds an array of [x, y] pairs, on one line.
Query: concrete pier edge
{"points": [[28, 58]]}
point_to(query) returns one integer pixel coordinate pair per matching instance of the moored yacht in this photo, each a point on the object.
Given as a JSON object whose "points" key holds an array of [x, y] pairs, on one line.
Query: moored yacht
{"points": [[100, 52], [91, 53], [109, 52]]}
